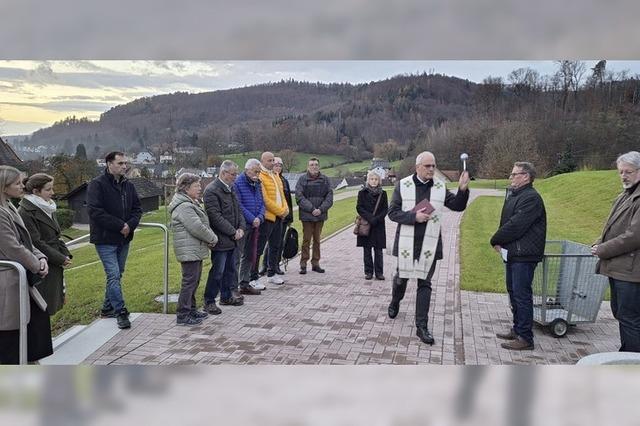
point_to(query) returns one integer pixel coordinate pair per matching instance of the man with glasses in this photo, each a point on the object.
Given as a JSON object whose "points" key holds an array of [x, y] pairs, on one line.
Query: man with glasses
{"points": [[417, 206], [520, 240], [618, 250], [226, 220], [114, 213]]}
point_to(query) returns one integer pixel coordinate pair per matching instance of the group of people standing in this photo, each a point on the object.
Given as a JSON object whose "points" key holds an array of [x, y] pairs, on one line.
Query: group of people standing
{"points": [[520, 240], [245, 215], [29, 235]]}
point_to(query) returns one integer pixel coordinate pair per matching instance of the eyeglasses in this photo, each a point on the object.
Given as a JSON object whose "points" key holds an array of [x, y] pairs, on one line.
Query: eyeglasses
{"points": [[428, 166], [627, 172], [515, 174]]}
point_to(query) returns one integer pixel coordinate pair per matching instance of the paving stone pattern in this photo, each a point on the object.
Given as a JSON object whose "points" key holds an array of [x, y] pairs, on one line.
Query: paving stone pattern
{"points": [[340, 318]]}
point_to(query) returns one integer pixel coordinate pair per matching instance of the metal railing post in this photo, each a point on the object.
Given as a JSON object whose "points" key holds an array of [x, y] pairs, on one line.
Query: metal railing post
{"points": [[78, 240], [165, 230], [24, 305]]}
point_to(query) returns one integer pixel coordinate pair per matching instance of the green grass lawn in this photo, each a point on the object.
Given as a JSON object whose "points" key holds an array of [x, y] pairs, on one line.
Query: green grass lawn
{"points": [[300, 165], [577, 206], [73, 233], [341, 214], [483, 184], [143, 280], [357, 167]]}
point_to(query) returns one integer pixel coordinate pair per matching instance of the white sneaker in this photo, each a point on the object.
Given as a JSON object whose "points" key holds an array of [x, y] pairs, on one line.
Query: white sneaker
{"points": [[256, 284], [275, 280]]}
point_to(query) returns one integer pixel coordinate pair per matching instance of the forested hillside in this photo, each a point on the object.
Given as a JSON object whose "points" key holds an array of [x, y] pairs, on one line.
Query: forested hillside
{"points": [[576, 118]]}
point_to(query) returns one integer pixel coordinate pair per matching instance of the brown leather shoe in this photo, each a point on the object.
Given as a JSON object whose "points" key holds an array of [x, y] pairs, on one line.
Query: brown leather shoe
{"points": [[518, 344], [212, 309], [237, 295], [250, 290], [509, 335], [232, 302]]}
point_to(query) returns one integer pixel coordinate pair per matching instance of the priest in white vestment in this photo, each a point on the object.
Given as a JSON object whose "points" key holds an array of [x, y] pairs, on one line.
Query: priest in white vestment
{"points": [[418, 243]]}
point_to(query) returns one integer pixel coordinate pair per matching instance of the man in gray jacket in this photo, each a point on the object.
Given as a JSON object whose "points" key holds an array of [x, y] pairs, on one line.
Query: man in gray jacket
{"points": [[619, 250], [226, 220], [314, 197]]}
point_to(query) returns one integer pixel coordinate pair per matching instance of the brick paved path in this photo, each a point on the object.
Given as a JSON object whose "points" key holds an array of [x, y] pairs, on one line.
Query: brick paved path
{"points": [[340, 318]]}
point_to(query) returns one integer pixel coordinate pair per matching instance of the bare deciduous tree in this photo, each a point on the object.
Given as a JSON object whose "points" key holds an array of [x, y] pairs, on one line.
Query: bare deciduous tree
{"points": [[569, 75], [514, 141], [288, 159]]}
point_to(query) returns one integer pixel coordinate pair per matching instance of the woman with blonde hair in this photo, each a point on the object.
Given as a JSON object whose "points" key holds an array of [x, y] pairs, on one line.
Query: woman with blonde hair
{"points": [[372, 205], [16, 245], [37, 210], [192, 240]]}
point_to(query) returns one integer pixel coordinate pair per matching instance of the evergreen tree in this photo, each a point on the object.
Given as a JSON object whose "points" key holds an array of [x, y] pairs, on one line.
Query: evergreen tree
{"points": [[81, 152]]}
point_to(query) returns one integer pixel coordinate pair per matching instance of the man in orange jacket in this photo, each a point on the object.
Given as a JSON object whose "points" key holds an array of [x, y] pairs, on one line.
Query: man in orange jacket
{"points": [[276, 210]]}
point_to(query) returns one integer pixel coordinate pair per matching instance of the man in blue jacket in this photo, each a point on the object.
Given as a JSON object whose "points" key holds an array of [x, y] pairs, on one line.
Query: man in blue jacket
{"points": [[114, 214], [247, 187]]}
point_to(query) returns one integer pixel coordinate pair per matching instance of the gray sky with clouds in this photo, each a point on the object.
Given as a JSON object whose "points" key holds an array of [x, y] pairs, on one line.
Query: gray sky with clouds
{"points": [[34, 94]]}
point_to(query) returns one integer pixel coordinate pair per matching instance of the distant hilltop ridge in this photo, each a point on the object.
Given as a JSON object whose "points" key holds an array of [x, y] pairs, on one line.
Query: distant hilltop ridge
{"points": [[396, 108]]}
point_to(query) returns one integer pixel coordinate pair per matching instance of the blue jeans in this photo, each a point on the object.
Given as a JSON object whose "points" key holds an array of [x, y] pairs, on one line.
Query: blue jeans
{"points": [[519, 276], [625, 305], [223, 276], [113, 260]]}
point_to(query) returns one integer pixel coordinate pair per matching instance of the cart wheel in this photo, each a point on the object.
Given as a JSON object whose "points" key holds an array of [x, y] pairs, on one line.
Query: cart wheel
{"points": [[558, 327]]}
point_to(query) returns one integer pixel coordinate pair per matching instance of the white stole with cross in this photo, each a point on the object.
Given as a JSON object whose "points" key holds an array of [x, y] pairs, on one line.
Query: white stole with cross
{"points": [[407, 266]]}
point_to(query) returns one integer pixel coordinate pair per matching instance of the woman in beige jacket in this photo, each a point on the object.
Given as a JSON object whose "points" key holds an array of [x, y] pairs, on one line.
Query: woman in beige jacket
{"points": [[16, 245], [192, 240]]}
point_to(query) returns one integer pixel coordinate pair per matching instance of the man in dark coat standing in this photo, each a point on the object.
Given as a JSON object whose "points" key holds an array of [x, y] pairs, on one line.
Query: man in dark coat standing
{"points": [[226, 220], [618, 250], [418, 243], [521, 240], [314, 197], [114, 214]]}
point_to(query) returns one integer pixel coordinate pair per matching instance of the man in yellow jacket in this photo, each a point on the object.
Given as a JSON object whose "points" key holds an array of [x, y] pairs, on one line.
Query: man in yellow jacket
{"points": [[276, 210]]}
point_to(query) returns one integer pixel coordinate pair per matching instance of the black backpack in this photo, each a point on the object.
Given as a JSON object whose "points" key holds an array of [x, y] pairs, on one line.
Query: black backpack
{"points": [[290, 243]]}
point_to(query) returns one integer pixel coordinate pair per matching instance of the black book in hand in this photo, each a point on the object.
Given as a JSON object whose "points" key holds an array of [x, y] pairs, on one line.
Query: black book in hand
{"points": [[424, 206]]}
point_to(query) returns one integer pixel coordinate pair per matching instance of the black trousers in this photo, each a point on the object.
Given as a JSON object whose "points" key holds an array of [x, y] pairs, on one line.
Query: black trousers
{"points": [[423, 296], [269, 232], [39, 344], [373, 264], [269, 252], [625, 305]]}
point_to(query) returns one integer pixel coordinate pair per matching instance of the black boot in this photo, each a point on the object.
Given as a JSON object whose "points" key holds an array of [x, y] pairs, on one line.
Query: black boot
{"points": [[394, 308], [424, 334], [398, 289]]}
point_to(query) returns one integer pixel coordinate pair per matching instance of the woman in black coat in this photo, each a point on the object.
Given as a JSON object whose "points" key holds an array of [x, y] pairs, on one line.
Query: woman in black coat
{"points": [[377, 238], [37, 210]]}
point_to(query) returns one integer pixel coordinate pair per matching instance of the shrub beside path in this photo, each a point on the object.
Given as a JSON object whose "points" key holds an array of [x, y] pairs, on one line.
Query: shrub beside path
{"points": [[340, 318]]}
